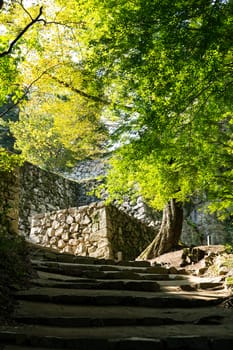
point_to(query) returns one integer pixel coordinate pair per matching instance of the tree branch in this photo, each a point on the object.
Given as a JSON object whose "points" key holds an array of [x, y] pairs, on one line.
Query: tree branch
{"points": [[64, 24], [89, 96], [80, 92], [12, 44]]}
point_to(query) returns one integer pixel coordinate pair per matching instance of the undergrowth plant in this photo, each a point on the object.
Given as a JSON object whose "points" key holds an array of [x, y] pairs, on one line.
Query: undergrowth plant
{"points": [[13, 258]]}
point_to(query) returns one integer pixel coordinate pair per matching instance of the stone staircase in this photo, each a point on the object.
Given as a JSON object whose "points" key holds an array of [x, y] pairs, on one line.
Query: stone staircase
{"points": [[87, 303]]}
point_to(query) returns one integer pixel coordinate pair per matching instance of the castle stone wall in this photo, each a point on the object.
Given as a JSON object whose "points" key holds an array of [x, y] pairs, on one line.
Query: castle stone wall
{"points": [[96, 230], [9, 200], [42, 191], [30, 191]]}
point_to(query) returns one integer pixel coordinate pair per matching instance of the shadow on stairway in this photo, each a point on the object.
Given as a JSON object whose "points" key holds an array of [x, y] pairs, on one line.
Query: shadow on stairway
{"points": [[81, 302]]}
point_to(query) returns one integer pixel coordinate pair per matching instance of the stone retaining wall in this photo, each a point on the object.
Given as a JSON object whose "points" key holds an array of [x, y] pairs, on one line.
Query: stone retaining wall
{"points": [[96, 230], [89, 169], [42, 191], [129, 235], [35, 191], [9, 201]]}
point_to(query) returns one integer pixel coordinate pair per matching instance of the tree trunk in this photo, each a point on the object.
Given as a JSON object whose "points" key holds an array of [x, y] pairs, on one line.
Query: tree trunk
{"points": [[169, 233]]}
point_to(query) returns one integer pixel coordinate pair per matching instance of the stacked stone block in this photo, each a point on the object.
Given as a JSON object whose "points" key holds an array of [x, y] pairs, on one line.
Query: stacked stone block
{"points": [[80, 231], [96, 230]]}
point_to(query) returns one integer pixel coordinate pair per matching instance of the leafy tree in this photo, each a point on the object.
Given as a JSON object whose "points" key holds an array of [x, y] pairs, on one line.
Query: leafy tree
{"points": [[59, 132], [59, 118], [162, 69], [170, 65]]}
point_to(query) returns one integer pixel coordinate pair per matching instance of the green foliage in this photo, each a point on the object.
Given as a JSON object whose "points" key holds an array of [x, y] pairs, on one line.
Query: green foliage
{"points": [[9, 83], [167, 68], [8, 74], [229, 281], [59, 102], [228, 248], [8, 161], [63, 129], [228, 261], [15, 270], [14, 261]]}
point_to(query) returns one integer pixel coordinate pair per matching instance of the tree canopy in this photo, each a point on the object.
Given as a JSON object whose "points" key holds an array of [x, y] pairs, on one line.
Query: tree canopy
{"points": [[59, 120], [170, 65]]}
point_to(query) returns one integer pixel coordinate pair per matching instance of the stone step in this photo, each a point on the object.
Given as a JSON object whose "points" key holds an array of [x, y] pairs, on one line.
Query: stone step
{"points": [[75, 277], [97, 322], [148, 286], [86, 303], [43, 254], [54, 266], [102, 316], [111, 272], [115, 338], [162, 279], [35, 308], [137, 285], [167, 298], [98, 274], [46, 275]]}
